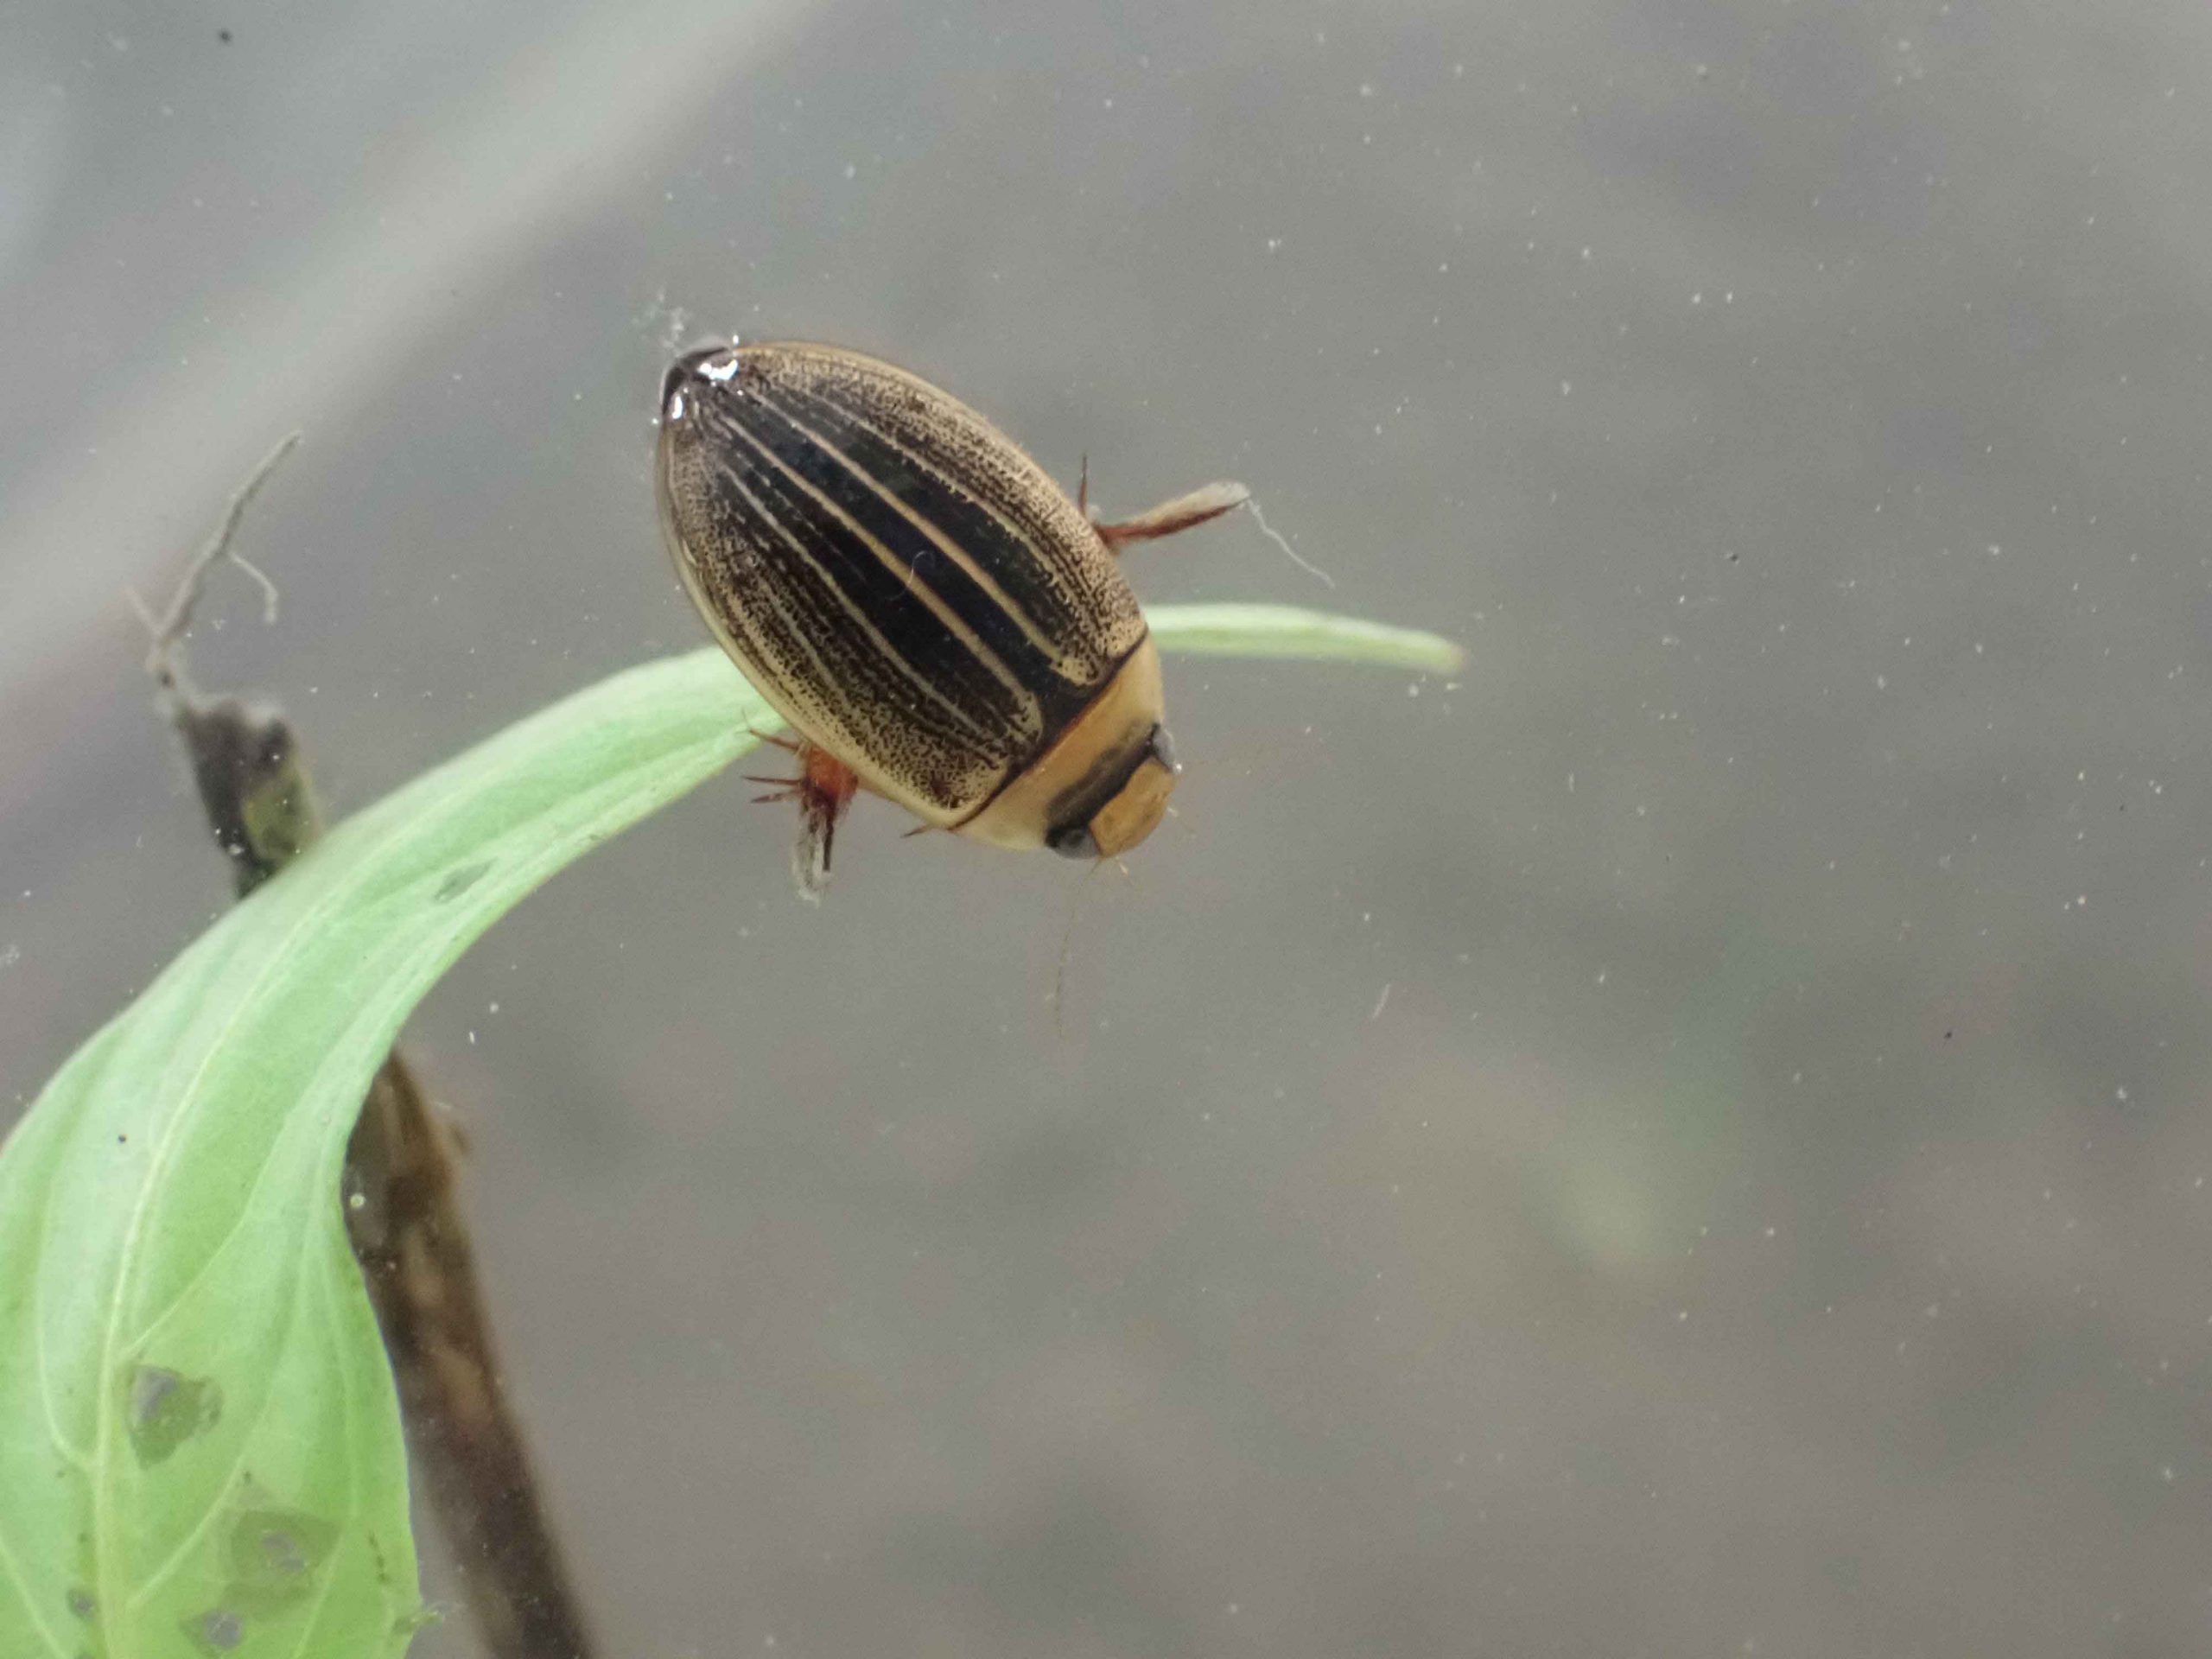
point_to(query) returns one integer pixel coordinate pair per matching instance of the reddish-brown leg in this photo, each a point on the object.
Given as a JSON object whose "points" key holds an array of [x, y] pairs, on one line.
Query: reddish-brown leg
{"points": [[1184, 513], [823, 789]]}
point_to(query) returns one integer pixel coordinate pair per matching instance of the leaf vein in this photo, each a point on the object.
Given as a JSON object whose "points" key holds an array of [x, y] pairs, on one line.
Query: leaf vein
{"points": [[15, 1578], [337, 1341]]}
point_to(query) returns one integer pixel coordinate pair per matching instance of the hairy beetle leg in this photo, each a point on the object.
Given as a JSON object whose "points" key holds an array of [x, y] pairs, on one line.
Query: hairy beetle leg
{"points": [[777, 740], [1184, 513], [823, 789]]}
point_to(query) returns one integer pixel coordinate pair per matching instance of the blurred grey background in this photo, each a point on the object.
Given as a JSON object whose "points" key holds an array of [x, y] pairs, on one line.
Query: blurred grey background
{"points": [[1688, 1139]]}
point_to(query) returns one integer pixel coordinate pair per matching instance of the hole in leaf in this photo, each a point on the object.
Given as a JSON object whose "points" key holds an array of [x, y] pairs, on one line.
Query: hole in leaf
{"points": [[166, 1409], [274, 1556], [217, 1630]]}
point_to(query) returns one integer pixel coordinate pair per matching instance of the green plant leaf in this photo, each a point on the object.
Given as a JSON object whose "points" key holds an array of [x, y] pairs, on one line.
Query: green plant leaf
{"points": [[1289, 634], [199, 1446]]}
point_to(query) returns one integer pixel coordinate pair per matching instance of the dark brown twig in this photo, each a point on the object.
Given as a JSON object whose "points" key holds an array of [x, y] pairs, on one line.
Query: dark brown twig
{"points": [[402, 1211], [421, 1269], [168, 629]]}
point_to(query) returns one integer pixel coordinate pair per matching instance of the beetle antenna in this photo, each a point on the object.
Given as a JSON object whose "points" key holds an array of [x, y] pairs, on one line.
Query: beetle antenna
{"points": [[1289, 552], [1067, 949]]}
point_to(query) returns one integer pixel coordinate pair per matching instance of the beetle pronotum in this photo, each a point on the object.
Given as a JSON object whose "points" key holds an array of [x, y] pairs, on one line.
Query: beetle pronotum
{"points": [[938, 622]]}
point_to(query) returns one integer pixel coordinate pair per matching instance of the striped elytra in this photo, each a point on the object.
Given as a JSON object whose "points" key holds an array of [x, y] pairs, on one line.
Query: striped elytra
{"points": [[938, 622]]}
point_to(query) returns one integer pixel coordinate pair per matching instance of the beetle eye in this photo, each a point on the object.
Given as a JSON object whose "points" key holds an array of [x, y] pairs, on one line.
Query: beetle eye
{"points": [[1162, 748], [1072, 841]]}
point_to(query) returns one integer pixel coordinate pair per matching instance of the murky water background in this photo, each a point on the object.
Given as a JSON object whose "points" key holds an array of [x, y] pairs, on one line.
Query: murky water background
{"points": [[1690, 1139]]}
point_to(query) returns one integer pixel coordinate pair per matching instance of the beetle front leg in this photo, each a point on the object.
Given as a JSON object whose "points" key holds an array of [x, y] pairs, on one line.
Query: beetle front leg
{"points": [[1184, 513]]}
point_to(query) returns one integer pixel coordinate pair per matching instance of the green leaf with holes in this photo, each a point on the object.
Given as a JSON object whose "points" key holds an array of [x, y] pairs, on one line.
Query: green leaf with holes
{"points": [[200, 1447]]}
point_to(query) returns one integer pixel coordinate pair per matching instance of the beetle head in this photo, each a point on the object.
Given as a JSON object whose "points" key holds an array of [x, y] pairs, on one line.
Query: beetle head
{"points": [[1129, 812]]}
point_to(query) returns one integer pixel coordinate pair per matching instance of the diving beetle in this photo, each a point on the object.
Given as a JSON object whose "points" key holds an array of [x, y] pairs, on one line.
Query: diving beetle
{"points": [[934, 620]]}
